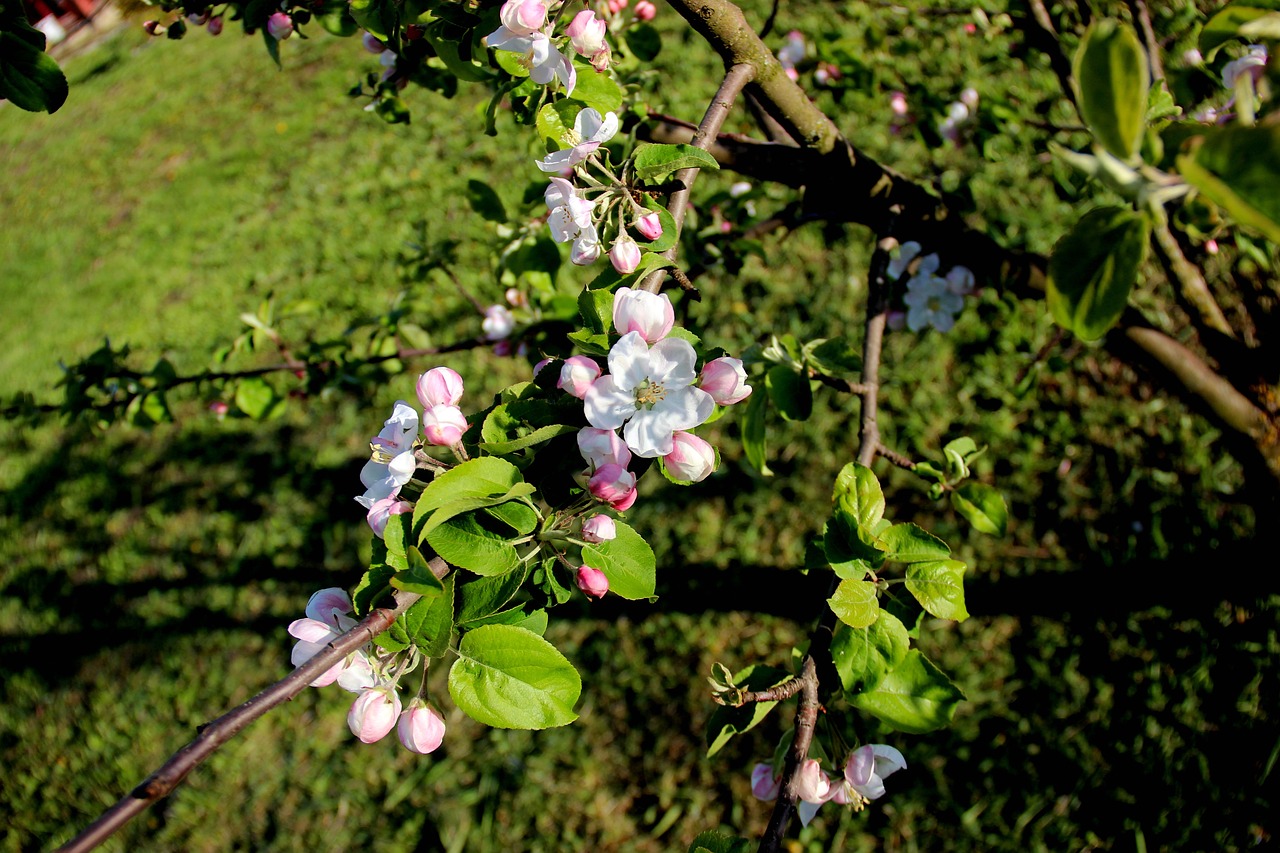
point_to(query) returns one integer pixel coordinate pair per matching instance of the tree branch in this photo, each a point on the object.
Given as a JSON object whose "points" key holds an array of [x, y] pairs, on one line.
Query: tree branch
{"points": [[1189, 280], [806, 722], [216, 733]]}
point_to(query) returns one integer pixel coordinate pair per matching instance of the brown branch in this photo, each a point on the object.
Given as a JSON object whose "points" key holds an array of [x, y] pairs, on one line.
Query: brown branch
{"points": [[785, 690], [848, 387], [899, 459], [806, 722], [214, 734], [1139, 10], [1190, 282], [877, 314], [731, 86]]}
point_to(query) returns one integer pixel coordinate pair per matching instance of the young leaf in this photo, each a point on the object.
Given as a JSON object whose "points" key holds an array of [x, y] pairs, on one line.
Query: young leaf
{"points": [[855, 603], [939, 587], [753, 434], [915, 697], [595, 90], [435, 629], [726, 722], [28, 76], [418, 577], [1112, 79], [1226, 24], [1239, 168], [653, 162], [715, 842], [858, 493], [481, 477], [256, 398], [517, 515], [1094, 267], [463, 542], [487, 595], [864, 656], [510, 678], [984, 507], [627, 561], [907, 543], [790, 392], [371, 588]]}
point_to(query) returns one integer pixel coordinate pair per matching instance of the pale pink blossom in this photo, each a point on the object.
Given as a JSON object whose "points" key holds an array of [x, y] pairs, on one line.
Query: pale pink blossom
{"points": [[1252, 64], [691, 459], [898, 103], [960, 280], [498, 322], [901, 259], [440, 386], [372, 44], [523, 17], [443, 425], [625, 255], [543, 59], [584, 252], [420, 729], [592, 581], [645, 11], [600, 447], [570, 219], [599, 528], [813, 787], [214, 26], [374, 713], [612, 484], [516, 298], [929, 300], [280, 26], [327, 620], [865, 772], [649, 226], [577, 375], [392, 463], [725, 380], [648, 314], [586, 33], [590, 131], [765, 784], [382, 510]]}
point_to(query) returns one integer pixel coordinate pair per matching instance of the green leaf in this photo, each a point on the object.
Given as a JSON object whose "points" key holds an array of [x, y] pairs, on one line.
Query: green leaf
{"points": [[644, 42], [510, 678], [538, 436], [833, 357], [610, 279], [790, 392], [715, 842], [372, 587], [518, 616], [726, 722], [915, 697], [864, 656], [654, 162], [596, 308], [858, 493], [939, 587], [418, 577], [597, 90], [447, 44], [391, 108], [753, 434], [485, 477], [907, 543], [1239, 169], [855, 603], [517, 515], [627, 561], [256, 398], [847, 548], [1226, 24], [485, 596], [555, 122], [592, 343], [485, 201], [395, 542], [984, 507], [427, 624], [1094, 267], [463, 542], [28, 76], [1112, 79], [374, 16]]}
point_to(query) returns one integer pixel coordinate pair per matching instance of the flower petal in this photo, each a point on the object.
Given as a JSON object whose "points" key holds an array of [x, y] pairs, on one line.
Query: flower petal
{"points": [[629, 362], [606, 405], [673, 363]]}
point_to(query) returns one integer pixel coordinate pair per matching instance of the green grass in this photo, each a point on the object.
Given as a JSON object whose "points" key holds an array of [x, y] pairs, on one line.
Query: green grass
{"points": [[1122, 651]]}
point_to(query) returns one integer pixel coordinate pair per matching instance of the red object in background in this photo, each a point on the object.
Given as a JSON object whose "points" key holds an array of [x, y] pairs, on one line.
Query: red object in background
{"points": [[67, 12]]}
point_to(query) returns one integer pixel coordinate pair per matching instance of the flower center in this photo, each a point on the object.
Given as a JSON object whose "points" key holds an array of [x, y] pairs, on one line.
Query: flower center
{"points": [[649, 394], [935, 303]]}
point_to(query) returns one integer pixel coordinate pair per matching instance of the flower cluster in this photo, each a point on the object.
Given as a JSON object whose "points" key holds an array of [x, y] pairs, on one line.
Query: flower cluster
{"points": [[860, 782], [960, 116], [931, 300], [377, 708]]}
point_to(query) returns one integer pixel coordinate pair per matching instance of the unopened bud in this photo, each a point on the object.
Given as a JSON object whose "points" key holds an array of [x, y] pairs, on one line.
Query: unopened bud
{"points": [[279, 26], [592, 581]]}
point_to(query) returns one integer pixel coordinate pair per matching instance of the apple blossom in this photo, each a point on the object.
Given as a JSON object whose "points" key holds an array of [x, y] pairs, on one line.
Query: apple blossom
{"points": [[219, 408], [614, 485], [792, 53], [865, 772], [498, 322], [539, 55], [725, 380], [969, 97], [393, 462], [577, 375], [592, 581], [929, 299], [650, 391], [443, 426], [600, 447], [813, 787], [326, 621], [691, 459], [960, 281], [440, 386], [765, 784], [1252, 63], [214, 26], [372, 44], [599, 528], [586, 33], [420, 729], [625, 255], [646, 11], [280, 26], [523, 17], [902, 259], [537, 368], [649, 226], [374, 713], [586, 250], [648, 314], [382, 510], [590, 131], [898, 103], [739, 188], [570, 219]]}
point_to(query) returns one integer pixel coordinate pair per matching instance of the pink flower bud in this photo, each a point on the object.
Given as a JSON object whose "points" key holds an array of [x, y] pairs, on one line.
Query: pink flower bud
{"points": [[220, 408], [646, 11], [812, 784], [516, 298], [764, 784], [382, 510], [498, 322], [280, 26], [153, 28], [600, 447], [649, 226], [214, 26], [523, 17], [443, 425], [725, 380], [420, 729], [584, 252], [970, 28], [372, 44], [586, 33], [592, 582], [439, 386], [898, 103], [1210, 246], [373, 715], [611, 483], [577, 375], [691, 459], [625, 255], [650, 314], [599, 528]]}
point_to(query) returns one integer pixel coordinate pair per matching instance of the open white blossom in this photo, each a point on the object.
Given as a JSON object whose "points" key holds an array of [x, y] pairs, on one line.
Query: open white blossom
{"points": [[543, 59], [393, 462], [930, 299], [590, 131]]}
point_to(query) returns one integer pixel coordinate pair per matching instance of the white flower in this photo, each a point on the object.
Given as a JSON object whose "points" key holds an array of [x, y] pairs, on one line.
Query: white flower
{"points": [[326, 621], [543, 59], [930, 300], [650, 390], [590, 131], [865, 772], [902, 259], [960, 281], [498, 322], [392, 464], [1251, 63], [570, 219]]}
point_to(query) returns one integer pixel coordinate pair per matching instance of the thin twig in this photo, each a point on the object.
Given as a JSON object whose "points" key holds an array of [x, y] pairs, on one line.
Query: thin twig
{"points": [[877, 314], [785, 690], [1190, 282], [737, 77], [213, 735], [899, 459], [806, 722], [1055, 338], [1140, 11], [848, 387]]}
